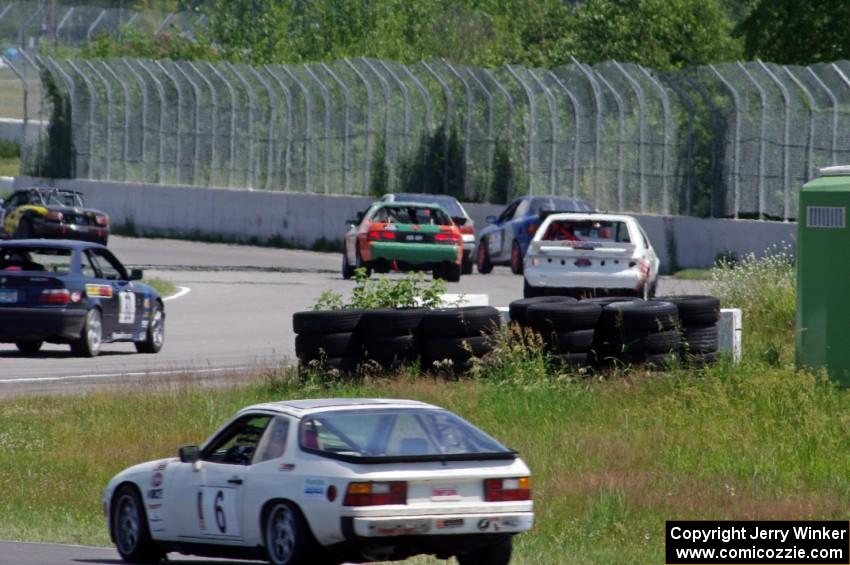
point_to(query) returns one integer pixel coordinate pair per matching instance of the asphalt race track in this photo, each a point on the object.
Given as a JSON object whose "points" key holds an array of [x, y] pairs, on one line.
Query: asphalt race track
{"points": [[233, 312]]}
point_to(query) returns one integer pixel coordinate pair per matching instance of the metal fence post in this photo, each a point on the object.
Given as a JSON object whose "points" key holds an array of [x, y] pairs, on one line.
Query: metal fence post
{"points": [[161, 90], [786, 148], [532, 119], [23, 28], [834, 101], [621, 139], [179, 155], [426, 124], [143, 87], [270, 139], [642, 129], [196, 92], [404, 98], [95, 24], [577, 108], [490, 140], [762, 126], [553, 115], [249, 91], [689, 104], [326, 98], [92, 107], [126, 149], [736, 165], [468, 121], [446, 124], [812, 105], [213, 119], [289, 135], [368, 86], [232, 96], [600, 105], [110, 104], [346, 149], [388, 102], [665, 154]]}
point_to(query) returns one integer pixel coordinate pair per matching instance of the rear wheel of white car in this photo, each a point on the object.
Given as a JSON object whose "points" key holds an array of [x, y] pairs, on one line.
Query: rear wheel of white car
{"points": [[529, 291], [496, 554], [286, 535], [130, 528]]}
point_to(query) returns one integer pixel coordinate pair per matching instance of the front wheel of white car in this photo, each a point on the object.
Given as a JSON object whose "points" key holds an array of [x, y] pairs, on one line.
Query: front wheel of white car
{"points": [[130, 528], [496, 554], [288, 539]]}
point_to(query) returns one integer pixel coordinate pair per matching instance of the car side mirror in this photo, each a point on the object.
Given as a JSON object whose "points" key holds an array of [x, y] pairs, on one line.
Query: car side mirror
{"points": [[490, 219], [136, 274], [189, 453]]}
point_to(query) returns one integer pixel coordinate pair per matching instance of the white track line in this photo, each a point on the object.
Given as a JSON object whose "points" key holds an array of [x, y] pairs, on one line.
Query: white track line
{"points": [[187, 371], [184, 290]]}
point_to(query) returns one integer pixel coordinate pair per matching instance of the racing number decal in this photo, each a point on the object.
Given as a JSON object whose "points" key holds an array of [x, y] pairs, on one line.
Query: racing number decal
{"points": [[126, 307], [221, 503], [220, 518]]}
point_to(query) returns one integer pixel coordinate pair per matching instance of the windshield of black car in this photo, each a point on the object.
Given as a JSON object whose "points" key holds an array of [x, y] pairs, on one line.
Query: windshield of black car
{"points": [[62, 199], [595, 231], [450, 205], [56, 261], [402, 432], [421, 215]]}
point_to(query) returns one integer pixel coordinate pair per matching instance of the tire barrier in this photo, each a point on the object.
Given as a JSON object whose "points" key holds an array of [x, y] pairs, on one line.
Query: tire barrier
{"points": [[698, 317], [599, 331], [389, 338]]}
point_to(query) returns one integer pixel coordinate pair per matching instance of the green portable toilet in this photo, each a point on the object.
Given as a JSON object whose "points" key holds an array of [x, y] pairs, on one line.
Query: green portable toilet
{"points": [[823, 275]]}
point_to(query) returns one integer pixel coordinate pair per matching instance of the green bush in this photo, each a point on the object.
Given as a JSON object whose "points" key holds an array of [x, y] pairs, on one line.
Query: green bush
{"points": [[412, 291]]}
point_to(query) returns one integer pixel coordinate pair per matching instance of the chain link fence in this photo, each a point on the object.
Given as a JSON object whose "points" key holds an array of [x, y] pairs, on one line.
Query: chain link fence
{"points": [[731, 140]]}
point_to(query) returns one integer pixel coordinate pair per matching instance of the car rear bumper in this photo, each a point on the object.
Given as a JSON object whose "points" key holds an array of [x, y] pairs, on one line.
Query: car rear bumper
{"points": [[548, 277], [42, 324], [415, 253], [53, 230]]}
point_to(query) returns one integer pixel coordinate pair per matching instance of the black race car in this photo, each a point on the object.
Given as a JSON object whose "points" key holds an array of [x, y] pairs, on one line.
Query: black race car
{"points": [[74, 292], [52, 213]]}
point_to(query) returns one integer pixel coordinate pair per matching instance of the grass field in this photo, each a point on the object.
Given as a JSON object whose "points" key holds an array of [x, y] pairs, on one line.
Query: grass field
{"points": [[613, 455]]}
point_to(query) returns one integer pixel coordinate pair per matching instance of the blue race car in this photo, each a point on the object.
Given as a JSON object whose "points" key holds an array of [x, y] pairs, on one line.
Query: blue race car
{"points": [[74, 292], [505, 240]]}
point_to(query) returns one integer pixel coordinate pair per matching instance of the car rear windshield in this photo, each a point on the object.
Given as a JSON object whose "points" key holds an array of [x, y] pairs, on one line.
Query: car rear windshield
{"points": [[62, 199], [587, 230], [422, 215], [375, 436], [447, 203], [56, 261], [542, 204]]}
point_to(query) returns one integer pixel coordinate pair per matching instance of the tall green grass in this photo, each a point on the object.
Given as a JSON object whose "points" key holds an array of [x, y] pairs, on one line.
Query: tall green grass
{"points": [[613, 454]]}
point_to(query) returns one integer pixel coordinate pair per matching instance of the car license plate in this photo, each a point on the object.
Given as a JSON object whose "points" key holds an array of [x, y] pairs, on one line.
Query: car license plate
{"points": [[8, 296], [413, 237], [444, 492]]}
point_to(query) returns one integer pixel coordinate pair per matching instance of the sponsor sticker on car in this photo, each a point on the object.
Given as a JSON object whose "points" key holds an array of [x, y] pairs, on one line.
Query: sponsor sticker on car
{"points": [[314, 488], [8, 296], [99, 290]]}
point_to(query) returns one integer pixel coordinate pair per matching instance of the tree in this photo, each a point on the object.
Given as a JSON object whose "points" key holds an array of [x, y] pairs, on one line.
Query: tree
{"points": [[797, 32], [662, 34]]}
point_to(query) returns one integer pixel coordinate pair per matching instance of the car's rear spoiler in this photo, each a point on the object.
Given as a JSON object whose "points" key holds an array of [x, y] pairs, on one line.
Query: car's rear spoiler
{"points": [[379, 460]]}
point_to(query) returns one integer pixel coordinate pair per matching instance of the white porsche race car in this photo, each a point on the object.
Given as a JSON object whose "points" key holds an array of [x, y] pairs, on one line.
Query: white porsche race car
{"points": [[327, 481]]}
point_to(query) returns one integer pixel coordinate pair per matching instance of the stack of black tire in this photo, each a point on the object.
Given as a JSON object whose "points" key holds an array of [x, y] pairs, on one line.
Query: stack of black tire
{"points": [[638, 332], [518, 308], [328, 337], [451, 337], [698, 317], [389, 336], [568, 328]]}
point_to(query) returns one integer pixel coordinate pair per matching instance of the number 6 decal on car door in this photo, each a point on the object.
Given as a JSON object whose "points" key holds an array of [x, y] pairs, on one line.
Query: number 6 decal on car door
{"points": [[126, 307]]}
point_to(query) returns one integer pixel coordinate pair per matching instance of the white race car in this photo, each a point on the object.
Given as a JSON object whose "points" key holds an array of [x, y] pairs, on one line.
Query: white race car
{"points": [[588, 254], [327, 481]]}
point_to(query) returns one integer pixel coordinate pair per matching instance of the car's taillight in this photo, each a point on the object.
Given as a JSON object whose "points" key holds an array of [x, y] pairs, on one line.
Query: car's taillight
{"points": [[55, 296], [54, 216], [101, 220], [532, 229], [375, 494], [467, 229], [447, 238], [504, 490], [381, 235]]}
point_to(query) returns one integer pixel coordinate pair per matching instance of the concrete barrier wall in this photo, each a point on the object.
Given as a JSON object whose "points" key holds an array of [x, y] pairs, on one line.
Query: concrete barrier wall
{"points": [[12, 130], [305, 219]]}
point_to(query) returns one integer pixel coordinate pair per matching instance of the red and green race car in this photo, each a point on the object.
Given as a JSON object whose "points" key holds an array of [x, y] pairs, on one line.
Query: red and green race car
{"points": [[404, 236]]}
